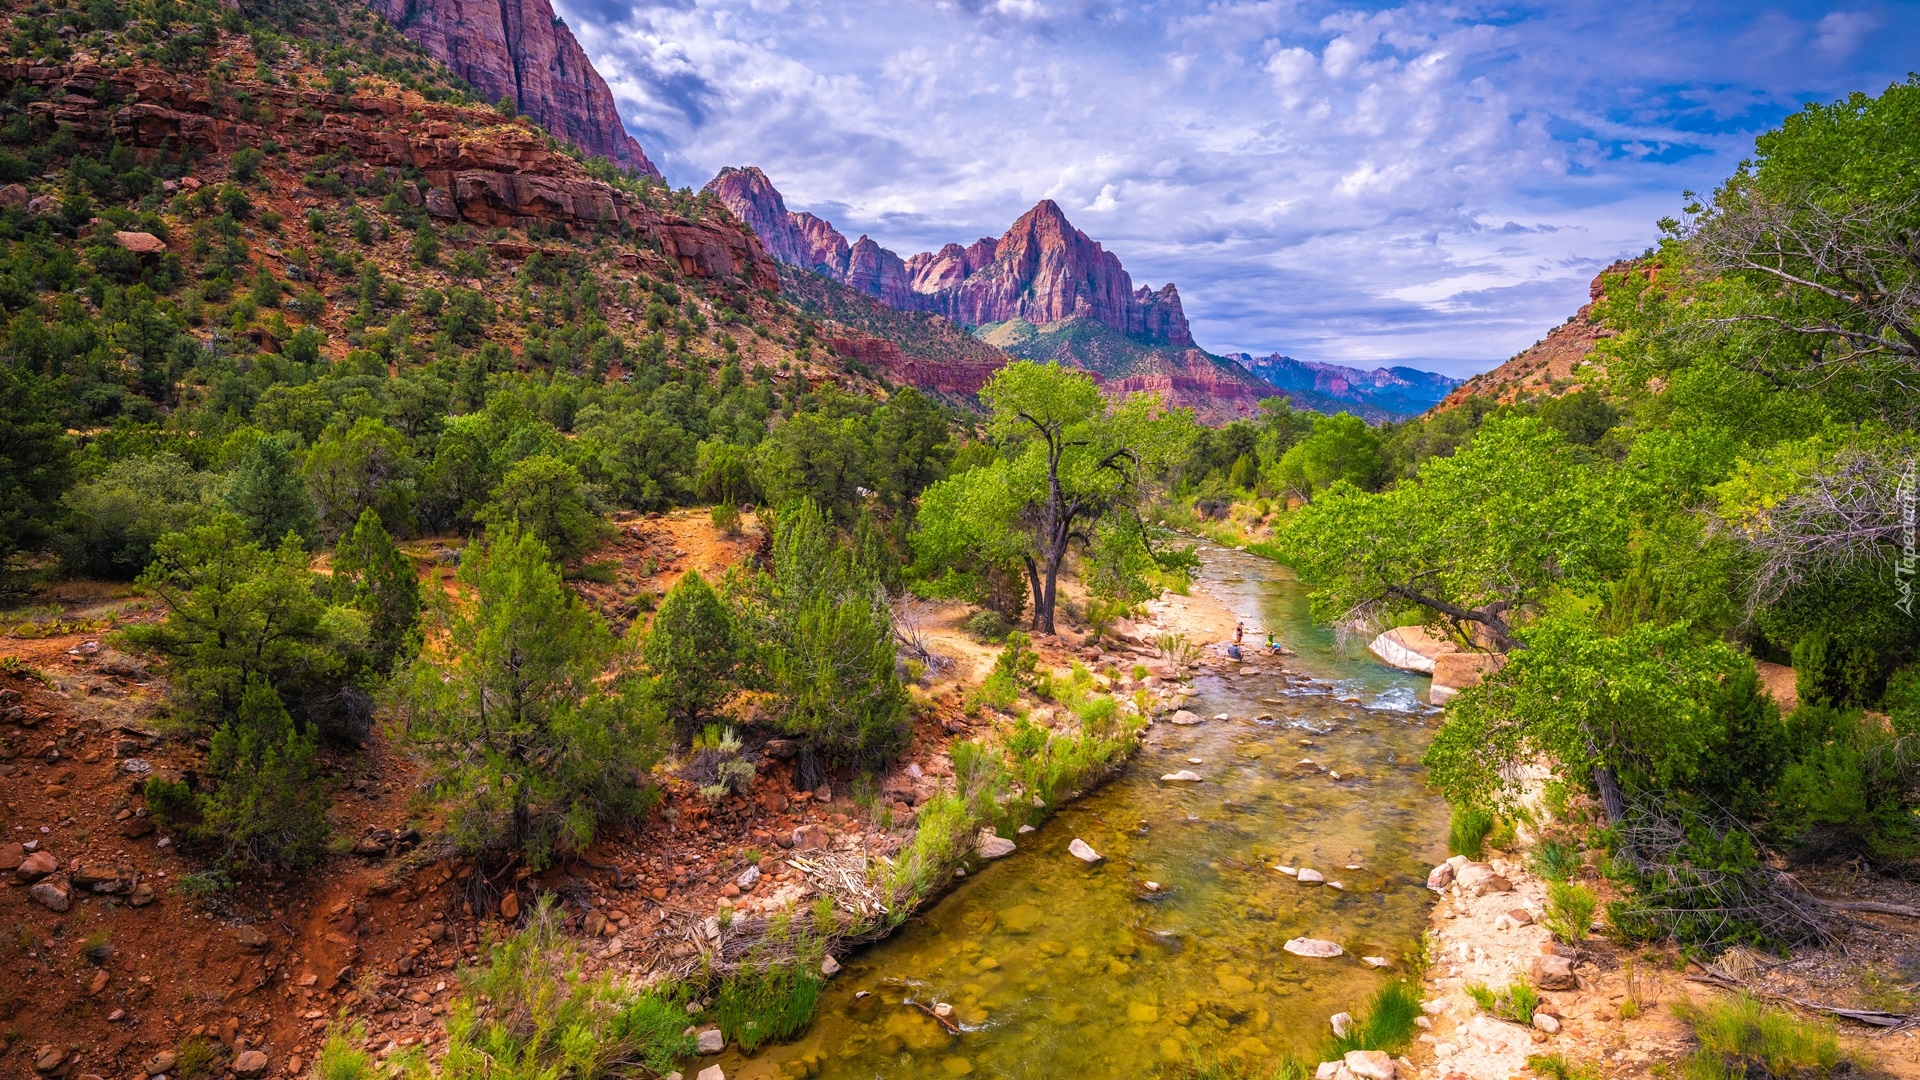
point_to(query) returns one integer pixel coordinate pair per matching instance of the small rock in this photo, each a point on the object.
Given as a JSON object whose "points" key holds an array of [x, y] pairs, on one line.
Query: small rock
{"points": [[1223, 716], [1370, 1065], [595, 924], [1478, 879], [52, 894], [1024, 830], [1440, 877], [991, 846], [140, 243], [1309, 876], [1520, 916], [829, 967], [159, 1063], [1185, 718], [1313, 947], [1342, 1024], [1554, 973], [1290, 871], [1547, 1023], [510, 907], [48, 1058], [141, 896], [98, 983], [250, 1063], [250, 937], [1081, 850], [710, 1041], [1329, 1070], [942, 1010], [711, 1072], [1184, 776], [748, 878], [36, 866], [12, 855], [1375, 961]]}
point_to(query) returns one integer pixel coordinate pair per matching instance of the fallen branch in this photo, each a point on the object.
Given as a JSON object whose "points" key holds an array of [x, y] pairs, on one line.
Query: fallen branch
{"points": [[952, 1028], [1873, 1017], [1874, 907]]}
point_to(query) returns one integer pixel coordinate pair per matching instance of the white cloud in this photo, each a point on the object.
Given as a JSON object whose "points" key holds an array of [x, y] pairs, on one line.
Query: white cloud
{"points": [[1321, 180]]}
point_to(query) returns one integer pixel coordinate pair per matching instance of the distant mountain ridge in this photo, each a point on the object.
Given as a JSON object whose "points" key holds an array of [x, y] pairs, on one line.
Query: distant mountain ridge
{"points": [[1043, 290], [1392, 392]]}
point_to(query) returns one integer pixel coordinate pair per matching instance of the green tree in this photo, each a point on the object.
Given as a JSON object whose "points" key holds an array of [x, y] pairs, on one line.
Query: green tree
{"points": [[1071, 463], [817, 456], [909, 448], [236, 613], [1342, 447], [693, 651], [267, 492], [115, 519], [826, 647], [35, 460], [353, 468], [375, 576], [546, 497], [268, 800], [1477, 539], [520, 735]]}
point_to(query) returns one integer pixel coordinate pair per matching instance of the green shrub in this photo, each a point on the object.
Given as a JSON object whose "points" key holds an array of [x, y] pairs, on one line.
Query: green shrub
{"points": [[1558, 1066], [341, 1056], [1569, 911], [726, 518], [116, 518], [987, 625], [693, 650], [1740, 1037], [1556, 861], [268, 801]]}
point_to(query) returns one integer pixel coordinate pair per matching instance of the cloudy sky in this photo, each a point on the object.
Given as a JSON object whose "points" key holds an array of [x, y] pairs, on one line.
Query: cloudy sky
{"points": [[1426, 183]]}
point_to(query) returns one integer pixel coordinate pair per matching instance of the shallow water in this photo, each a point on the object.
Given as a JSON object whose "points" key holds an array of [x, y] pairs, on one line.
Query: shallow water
{"points": [[1059, 969]]}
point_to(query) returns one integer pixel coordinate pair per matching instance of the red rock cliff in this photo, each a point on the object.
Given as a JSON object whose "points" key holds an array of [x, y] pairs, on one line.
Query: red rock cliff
{"points": [[520, 49], [1043, 270]]}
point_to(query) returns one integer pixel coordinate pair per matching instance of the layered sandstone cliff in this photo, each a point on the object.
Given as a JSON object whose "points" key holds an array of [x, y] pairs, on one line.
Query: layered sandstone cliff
{"points": [[519, 49]]}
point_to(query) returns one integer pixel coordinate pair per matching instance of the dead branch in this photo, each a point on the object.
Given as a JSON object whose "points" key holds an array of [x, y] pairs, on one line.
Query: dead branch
{"points": [[1846, 515], [1873, 1017], [952, 1028]]}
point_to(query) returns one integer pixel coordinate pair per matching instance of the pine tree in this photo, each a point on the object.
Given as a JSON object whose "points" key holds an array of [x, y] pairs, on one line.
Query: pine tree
{"points": [[692, 650], [268, 803], [375, 576], [267, 491]]}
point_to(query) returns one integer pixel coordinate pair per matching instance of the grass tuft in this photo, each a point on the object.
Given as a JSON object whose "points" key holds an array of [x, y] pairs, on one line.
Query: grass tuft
{"points": [[758, 1005], [1387, 1024], [1741, 1037], [1515, 1002]]}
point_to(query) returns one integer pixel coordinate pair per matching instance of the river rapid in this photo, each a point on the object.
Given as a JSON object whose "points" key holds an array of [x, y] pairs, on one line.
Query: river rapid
{"points": [[1055, 968]]}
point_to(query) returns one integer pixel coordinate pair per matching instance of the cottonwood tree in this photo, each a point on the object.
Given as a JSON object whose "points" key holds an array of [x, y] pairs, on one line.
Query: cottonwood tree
{"points": [[1071, 462], [1478, 539]]}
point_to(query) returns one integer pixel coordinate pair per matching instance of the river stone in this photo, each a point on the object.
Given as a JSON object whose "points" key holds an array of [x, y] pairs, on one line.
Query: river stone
{"points": [[829, 967], [1478, 879], [711, 1072], [1083, 851], [1440, 877], [710, 1041], [1547, 1023], [1375, 961], [1184, 776], [1185, 718], [991, 846], [1290, 871], [1313, 947], [1370, 1064], [1342, 1024], [1223, 716], [1309, 876]]}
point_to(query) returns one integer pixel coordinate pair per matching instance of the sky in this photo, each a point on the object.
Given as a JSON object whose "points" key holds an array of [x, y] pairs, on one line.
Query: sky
{"points": [[1427, 184]]}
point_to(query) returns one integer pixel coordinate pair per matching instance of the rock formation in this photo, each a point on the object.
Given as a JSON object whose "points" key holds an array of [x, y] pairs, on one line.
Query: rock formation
{"points": [[1042, 271], [520, 49], [498, 174], [1391, 392]]}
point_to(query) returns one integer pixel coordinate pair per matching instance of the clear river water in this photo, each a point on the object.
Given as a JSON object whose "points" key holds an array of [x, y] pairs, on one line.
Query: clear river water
{"points": [[1055, 968]]}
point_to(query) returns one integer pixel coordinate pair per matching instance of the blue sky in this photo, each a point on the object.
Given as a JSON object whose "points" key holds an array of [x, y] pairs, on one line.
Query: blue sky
{"points": [[1432, 184]]}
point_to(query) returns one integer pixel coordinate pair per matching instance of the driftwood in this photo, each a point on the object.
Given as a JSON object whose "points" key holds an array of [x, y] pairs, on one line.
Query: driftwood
{"points": [[1874, 907]]}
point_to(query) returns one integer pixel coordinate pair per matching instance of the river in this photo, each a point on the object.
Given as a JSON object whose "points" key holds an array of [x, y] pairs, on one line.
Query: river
{"points": [[1059, 969]]}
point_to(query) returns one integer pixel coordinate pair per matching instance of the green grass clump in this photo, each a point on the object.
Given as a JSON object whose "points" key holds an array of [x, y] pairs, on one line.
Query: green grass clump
{"points": [[1387, 1024], [758, 1005], [1740, 1037], [1213, 1065], [1467, 834], [341, 1056], [1515, 1002], [1560, 1067]]}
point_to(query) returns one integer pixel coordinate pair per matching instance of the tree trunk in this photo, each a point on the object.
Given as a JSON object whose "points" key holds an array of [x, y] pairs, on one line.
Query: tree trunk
{"points": [[1042, 611]]}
